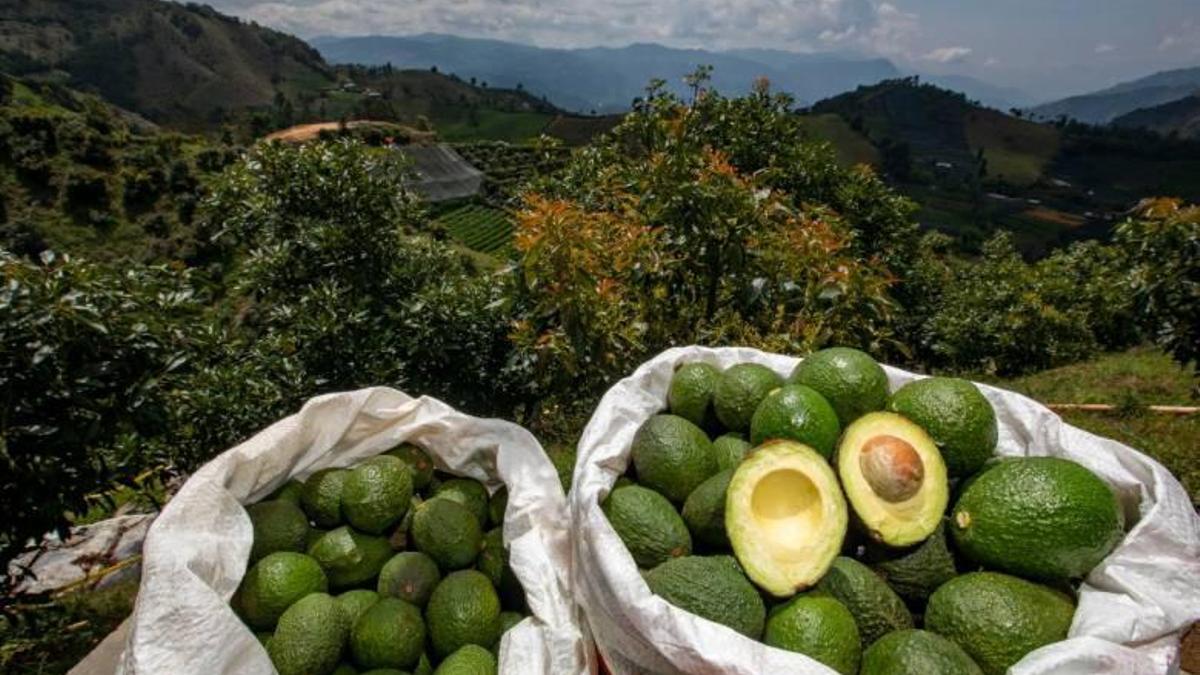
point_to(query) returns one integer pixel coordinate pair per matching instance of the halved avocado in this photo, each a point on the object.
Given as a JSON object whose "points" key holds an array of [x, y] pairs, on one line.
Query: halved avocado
{"points": [[785, 516], [894, 478]]}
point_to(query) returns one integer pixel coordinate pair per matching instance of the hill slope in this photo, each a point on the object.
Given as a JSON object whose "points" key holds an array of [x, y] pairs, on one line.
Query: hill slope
{"points": [[1181, 118], [1106, 105], [607, 79]]}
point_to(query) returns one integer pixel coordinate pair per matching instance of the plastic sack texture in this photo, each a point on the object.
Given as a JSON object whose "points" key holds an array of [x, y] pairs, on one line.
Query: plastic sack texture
{"points": [[195, 553], [1132, 607]]}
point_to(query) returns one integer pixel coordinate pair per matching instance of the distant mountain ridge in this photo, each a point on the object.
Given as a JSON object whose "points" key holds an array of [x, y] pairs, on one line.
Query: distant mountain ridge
{"points": [[606, 79], [1106, 105], [1181, 118]]}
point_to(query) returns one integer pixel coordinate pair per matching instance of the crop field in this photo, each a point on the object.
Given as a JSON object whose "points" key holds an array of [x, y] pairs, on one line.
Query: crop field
{"points": [[479, 228], [509, 166]]}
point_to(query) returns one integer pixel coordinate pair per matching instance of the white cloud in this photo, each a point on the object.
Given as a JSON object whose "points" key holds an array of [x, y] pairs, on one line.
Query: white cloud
{"points": [[1185, 38], [1105, 48], [991, 62], [948, 54]]}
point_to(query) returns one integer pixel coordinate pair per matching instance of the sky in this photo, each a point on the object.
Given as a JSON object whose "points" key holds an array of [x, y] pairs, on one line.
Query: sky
{"points": [[1047, 48]]}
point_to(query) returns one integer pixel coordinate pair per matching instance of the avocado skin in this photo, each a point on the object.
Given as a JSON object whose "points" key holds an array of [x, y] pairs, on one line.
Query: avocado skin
{"points": [[704, 511], [1043, 518], [738, 392], [876, 608], [469, 660], [279, 525], [390, 634], [916, 652], [322, 497], [648, 524], [713, 587], [464, 609], [916, 572], [419, 464], [672, 456], [997, 619], [958, 417], [730, 449], [798, 413], [690, 395], [819, 627], [446, 531], [410, 576], [852, 381], [376, 494], [310, 637]]}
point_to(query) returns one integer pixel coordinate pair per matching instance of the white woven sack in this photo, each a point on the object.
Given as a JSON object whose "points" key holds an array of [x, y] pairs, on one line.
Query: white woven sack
{"points": [[1132, 607], [195, 553]]}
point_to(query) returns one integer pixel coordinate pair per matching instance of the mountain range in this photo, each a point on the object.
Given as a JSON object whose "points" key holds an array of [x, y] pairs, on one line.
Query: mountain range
{"points": [[607, 79], [1181, 118], [1106, 105]]}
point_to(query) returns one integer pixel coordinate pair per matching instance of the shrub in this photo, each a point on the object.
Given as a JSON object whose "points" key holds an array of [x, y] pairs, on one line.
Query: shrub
{"points": [[86, 189]]}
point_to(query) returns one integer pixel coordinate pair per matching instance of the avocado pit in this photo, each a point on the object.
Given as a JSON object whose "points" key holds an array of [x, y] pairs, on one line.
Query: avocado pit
{"points": [[892, 467]]}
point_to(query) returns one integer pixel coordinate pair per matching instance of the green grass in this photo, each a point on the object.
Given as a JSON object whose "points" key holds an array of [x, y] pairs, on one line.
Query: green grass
{"points": [[851, 147], [479, 228], [1017, 151], [498, 125], [1130, 380], [51, 636]]}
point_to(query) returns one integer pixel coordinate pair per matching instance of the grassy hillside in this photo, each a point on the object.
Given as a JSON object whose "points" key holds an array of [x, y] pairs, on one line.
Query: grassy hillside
{"points": [[1017, 151], [850, 146]]}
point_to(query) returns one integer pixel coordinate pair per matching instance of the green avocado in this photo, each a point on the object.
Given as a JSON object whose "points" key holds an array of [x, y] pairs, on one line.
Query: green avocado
{"points": [[877, 610], [997, 619], [468, 492], [691, 393], [390, 634], [852, 381], [493, 562], [916, 652], [447, 532], [291, 491], [419, 464], [958, 417], [713, 587], [322, 497], [355, 602], [310, 637], [1039, 517], [730, 449], [917, 571], [464, 609], [648, 524], [497, 505], [738, 392], [350, 558], [468, 660], [672, 456], [819, 627], [410, 576], [704, 511], [795, 412], [376, 494], [278, 525], [276, 582]]}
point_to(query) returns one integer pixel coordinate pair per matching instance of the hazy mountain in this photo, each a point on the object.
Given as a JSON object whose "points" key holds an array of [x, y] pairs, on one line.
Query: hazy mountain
{"points": [[990, 95], [1108, 104], [1180, 117], [607, 79]]}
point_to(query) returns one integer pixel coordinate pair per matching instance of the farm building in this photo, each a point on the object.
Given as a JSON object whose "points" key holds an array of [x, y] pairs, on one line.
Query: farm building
{"points": [[442, 173]]}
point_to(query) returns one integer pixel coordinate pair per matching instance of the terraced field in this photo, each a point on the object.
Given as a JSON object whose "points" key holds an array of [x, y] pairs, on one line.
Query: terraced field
{"points": [[508, 166], [480, 228]]}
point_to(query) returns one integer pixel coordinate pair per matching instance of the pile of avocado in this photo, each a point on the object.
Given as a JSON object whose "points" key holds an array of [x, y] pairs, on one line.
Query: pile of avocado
{"points": [[387, 567], [870, 530]]}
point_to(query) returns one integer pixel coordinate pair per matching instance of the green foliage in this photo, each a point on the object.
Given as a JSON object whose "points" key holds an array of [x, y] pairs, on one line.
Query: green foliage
{"points": [[1163, 244], [86, 355], [479, 228]]}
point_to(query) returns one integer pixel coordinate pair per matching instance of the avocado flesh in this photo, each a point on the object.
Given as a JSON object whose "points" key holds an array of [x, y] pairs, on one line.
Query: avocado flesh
{"points": [[894, 478], [785, 517]]}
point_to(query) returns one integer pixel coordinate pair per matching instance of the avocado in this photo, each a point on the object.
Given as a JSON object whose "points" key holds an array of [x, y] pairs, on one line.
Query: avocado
{"points": [[915, 572], [346, 669], [470, 493], [322, 497], [730, 449], [738, 392], [713, 587], [278, 525], [956, 415], [507, 621], [468, 660], [819, 627], [691, 393], [916, 652], [464, 609], [423, 666], [497, 505], [355, 602], [852, 381], [274, 583], [291, 491], [894, 478], [997, 619], [493, 562], [704, 511], [310, 637], [877, 609], [672, 456], [795, 412], [648, 524], [410, 576], [376, 494], [1040, 517], [420, 466], [785, 516], [390, 634], [447, 532], [350, 558], [383, 671]]}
